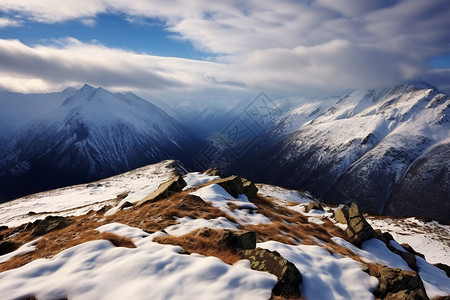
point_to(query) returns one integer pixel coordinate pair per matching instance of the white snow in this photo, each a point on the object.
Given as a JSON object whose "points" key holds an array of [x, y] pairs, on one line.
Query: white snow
{"points": [[80, 199], [187, 224], [315, 220], [98, 270], [431, 238], [218, 197], [283, 195], [435, 281], [325, 276], [135, 234], [196, 178], [374, 250], [28, 247]]}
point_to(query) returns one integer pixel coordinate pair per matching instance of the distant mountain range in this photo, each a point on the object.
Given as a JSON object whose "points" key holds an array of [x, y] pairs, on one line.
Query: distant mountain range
{"points": [[90, 135], [388, 149]]}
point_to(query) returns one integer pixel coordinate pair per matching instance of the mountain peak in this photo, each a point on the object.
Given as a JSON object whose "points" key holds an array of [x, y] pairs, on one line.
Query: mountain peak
{"points": [[419, 84], [87, 87]]}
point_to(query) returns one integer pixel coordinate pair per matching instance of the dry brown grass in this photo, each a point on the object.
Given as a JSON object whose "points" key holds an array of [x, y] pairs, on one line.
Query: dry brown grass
{"points": [[52, 243], [290, 227], [287, 226], [209, 242], [151, 217], [158, 215]]}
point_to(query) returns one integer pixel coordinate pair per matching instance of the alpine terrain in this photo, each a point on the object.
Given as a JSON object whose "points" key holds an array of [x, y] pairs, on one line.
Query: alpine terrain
{"points": [[163, 232], [388, 150], [92, 134]]}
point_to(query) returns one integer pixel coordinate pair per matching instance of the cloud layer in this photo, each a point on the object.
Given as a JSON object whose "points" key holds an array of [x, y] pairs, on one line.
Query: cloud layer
{"points": [[289, 47]]}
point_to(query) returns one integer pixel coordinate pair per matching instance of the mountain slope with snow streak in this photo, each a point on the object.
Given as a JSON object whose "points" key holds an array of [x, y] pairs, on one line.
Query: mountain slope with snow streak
{"points": [[93, 134], [361, 148]]}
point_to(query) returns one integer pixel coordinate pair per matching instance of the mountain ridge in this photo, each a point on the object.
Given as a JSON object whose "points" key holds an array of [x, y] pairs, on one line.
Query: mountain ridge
{"points": [[93, 134], [358, 148]]}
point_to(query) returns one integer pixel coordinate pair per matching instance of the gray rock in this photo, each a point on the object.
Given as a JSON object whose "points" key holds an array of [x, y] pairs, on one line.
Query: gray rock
{"points": [[250, 188], [398, 284], [289, 278], [213, 172], [357, 227], [233, 185], [410, 249], [341, 215], [126, 205], [7, 247], [240, 239], [50, 223], [164, 190], [314, 205], [410, 259]]}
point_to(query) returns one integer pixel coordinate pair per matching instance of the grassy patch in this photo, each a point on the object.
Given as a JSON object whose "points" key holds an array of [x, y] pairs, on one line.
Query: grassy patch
{"points": [[208, 242]]}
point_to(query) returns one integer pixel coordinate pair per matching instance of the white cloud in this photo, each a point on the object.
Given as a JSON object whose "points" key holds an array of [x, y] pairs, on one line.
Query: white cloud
{"points": [[5, 22], [293, 46]]}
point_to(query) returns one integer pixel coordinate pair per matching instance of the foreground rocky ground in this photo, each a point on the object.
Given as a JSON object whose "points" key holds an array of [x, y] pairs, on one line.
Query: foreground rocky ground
{"points": [[160, 232]]}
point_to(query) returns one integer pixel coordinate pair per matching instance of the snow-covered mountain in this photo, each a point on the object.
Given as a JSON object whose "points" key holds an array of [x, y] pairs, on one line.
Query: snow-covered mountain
{"points": [[385, 149], [92, 134]]}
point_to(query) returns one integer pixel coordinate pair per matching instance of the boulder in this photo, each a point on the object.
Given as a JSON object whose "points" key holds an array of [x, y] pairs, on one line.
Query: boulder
{"points": [[357, 227], [234, 239], [410, 259], [240, 239], [398, 284], [388, 236], [233, 185], [289, 278], [50, 223], [7, 247], [3, 227], [250, 188], [213, 172], [314, 205], [164, 190], [341, 215], [126, 204], [410, 249]]}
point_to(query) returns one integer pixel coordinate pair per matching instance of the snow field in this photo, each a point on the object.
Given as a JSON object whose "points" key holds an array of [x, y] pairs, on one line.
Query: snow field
{"points": [[98, 270]]}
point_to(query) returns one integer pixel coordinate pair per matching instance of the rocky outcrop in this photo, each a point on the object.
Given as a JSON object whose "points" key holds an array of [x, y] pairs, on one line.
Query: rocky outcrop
{"points": [[50, 223], [410, 249], [232, 184], [250, 188], [289, 278], [314, 205], [235, 185], [164, 190], [233, 239], [7, 247], [240, 239], [214, 172], [357, 227], [398, 284]]}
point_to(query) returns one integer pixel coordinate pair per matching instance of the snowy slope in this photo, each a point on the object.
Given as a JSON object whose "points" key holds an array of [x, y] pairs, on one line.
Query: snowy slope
{"points": [[80, 199], [28, 106], [93, 134], [99, 270], [360, 147]]}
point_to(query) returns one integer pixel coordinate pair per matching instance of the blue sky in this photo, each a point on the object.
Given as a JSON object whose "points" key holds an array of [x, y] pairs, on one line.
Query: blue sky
{"points": [[197, 49], [112, 30]]}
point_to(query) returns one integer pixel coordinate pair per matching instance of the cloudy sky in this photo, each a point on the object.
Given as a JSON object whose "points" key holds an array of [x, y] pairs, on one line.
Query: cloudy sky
{"points": [[175, 49]]}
